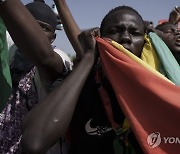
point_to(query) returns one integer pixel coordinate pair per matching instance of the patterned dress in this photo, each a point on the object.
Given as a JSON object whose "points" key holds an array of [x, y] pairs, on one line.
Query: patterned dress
{"points": [[22, 100]]}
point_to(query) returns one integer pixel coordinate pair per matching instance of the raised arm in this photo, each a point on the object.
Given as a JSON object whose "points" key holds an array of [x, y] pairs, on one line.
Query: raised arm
{"points": [[30, 38], [48, 121], [174, 16], [70, 26]]}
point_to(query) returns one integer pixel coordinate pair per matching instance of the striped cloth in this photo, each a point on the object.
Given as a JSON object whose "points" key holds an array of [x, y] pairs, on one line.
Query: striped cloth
{"points": [[169, 66], [149, 101]]}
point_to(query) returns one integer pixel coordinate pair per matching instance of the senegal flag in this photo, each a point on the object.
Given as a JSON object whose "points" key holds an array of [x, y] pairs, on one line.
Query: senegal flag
{"points": [[150, 102], [5, 77]]}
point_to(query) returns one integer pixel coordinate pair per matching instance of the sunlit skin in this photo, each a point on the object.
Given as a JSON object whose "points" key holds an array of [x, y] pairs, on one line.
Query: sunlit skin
{"points": [[127, 29]]}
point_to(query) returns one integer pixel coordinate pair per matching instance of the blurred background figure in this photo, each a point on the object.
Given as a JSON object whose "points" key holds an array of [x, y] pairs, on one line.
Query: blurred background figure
{"points": [[174, 16], [148, 25], [171, 32], [171, 36]]}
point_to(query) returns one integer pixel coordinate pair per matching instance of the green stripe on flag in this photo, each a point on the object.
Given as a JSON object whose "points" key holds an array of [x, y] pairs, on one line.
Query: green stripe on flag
{"points": [[5, 77]]}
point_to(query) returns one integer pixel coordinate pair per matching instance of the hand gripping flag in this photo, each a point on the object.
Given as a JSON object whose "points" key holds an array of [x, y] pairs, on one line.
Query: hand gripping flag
{"points": [[150, 102]]}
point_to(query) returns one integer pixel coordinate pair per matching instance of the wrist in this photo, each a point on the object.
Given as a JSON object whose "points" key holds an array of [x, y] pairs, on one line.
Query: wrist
{"points": [[89, 56]]}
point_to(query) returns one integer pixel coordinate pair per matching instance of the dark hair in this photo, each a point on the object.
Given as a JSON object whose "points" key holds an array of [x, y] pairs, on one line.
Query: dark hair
{"points": [[116, 9], [163, 25], [42, 12]]}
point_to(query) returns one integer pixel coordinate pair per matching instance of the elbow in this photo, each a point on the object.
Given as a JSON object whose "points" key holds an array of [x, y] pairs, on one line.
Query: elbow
{"points": [[31, 142], [30, 145]]}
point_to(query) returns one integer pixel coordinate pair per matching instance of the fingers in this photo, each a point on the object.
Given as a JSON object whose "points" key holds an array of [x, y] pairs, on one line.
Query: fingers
{"points": [[87, 38], [175, 15], [177, 9], [95, 32]]}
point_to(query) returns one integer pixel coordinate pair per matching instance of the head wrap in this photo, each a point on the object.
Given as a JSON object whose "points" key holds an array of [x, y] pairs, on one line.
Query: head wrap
{"points": [[42, 12]]}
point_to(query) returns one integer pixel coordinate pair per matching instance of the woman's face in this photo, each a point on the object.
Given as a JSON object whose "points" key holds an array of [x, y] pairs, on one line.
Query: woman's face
{"points": [[126, 28]]}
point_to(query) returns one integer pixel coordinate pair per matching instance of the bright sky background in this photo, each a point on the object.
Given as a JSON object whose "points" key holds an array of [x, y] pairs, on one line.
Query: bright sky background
{"points": [[89, 13]]}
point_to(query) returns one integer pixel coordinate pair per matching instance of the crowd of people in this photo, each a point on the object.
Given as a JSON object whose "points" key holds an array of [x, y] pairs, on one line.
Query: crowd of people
{"points": [[122, 86]]}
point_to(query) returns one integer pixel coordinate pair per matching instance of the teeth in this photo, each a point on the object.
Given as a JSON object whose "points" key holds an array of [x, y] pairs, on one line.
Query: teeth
{"points": [[178, 40], [177, 43]]}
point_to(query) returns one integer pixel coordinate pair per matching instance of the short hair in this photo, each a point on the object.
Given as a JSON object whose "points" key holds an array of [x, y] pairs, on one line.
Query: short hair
{"points": [[120, 8], [163, 25], [42, 12]]}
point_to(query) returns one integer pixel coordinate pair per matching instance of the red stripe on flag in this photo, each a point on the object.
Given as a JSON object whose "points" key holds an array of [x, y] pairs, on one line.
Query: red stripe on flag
{"points": [[150, 103]]}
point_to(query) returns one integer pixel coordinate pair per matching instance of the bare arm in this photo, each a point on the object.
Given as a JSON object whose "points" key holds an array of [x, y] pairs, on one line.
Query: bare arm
{"points": [[174, 16], [48, 121], [30, 38], [71, 28]]}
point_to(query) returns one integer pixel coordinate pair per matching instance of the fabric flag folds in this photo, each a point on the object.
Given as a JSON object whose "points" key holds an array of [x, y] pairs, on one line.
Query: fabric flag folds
{"points": [[150, 103], [170, 66], [5, 77]]}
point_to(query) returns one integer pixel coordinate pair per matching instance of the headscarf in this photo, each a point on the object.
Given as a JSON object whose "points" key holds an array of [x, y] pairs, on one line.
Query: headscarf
{"points": [[42, 12]]}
